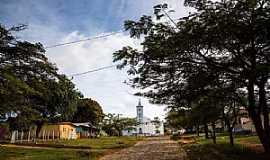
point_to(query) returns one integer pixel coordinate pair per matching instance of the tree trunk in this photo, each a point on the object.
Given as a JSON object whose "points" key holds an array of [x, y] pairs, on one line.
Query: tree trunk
{"points": [[214, 132], [263, 106], [39, 127], [231, 136], [230, 130], [198, 130], [206, 131], [256, 118]]}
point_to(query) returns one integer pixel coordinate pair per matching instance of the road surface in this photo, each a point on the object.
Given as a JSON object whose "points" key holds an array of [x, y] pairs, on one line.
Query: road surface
{"points": [[154, 148]]}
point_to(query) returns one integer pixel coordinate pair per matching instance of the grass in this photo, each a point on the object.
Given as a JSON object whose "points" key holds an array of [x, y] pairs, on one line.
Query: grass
{"points": [[221, 152], [248, 139], [204, 149], [224, 138], [98, 147], [10, 153], [98, 143]]}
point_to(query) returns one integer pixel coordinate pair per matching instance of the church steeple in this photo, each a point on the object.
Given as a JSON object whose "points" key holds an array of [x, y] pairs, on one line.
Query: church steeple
{"points": [[139, 104], [139, 112]]}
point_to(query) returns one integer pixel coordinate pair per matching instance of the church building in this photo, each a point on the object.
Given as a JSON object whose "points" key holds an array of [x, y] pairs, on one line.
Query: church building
{"points": [[145, 126]]}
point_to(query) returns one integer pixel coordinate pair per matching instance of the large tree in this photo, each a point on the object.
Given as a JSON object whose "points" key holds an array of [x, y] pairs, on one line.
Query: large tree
{"points": [[88, 110], [31, 90], [227, 41]]}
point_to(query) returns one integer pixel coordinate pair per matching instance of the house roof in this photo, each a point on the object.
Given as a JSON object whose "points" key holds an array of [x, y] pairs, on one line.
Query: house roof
{"points": [[62, 123], [85, 124]]}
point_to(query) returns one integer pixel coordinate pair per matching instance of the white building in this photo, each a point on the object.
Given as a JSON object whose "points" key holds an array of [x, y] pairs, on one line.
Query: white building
{"points": [[146, 126]]}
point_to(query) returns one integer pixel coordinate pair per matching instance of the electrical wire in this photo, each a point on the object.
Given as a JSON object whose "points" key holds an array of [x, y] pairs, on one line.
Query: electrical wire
{"points": [[170, 18], [83, 40], [93, 38], [94, 70]]}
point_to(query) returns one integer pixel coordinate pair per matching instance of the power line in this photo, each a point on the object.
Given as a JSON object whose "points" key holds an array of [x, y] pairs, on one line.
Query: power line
{"points": [[170, 18], [93, 38], [101, 36], [83, 40], [94, 70]]}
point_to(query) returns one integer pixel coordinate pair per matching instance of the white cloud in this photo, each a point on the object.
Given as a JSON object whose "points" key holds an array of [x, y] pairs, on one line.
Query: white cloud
{"points": [[105, 86]]}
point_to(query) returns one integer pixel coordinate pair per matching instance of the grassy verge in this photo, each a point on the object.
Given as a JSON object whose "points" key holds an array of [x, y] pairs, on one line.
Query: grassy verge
{"points": [[200, 148], [10, 153], [224, 138], [97, 143], [221, 152], [82, 149]]}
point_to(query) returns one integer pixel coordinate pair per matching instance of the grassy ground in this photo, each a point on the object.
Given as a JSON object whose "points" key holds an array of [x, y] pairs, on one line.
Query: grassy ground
{"points": [[97, 143], [202, 149], [10, 153], [100, 143], [224, 138], [98, 147], [221, 152]]}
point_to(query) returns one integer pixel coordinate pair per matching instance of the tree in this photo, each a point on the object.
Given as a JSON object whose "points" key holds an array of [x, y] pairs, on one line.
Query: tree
{"points": [[30, 87], [113, 125], [231, 112], [88, 110], [59, 102], [227, 40]]}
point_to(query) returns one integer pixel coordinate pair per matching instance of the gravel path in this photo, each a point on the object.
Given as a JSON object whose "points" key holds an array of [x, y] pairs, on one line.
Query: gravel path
{"points": [[154, 148]]}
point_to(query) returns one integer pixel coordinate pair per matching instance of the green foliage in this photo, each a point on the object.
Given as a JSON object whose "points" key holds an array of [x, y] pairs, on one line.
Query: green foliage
{"points": [[31, 90], [113, 124], [222, 48], [88, 110]]}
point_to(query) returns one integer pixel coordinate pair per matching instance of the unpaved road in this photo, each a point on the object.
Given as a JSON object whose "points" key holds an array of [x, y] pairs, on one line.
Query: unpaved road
{"points": [[156, 148]]}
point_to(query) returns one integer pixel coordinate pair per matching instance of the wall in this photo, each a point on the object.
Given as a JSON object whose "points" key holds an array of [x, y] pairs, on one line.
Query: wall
{"points": [[67, 132]]}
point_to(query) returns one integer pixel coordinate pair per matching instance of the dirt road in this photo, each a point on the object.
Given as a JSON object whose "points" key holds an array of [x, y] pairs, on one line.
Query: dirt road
{"points": [[157, 148]]}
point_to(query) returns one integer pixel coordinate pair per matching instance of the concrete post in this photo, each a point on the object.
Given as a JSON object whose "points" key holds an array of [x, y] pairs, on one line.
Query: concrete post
{"points": [[21, 136], [29, 136]]}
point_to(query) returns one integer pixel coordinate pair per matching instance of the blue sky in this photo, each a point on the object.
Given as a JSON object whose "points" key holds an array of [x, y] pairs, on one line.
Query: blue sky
{"points": [[57, 21]]}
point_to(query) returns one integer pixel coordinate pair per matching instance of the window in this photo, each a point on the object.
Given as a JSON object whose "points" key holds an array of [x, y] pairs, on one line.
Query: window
{"points": [[64, 129]]}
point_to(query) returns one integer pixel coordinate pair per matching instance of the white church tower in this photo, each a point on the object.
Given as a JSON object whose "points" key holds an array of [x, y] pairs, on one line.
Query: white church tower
{"points": [[139, 112], [146, 126]]}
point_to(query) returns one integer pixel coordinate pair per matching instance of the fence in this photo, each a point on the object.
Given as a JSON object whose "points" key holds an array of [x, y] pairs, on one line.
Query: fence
{"points": [[30, 136]]}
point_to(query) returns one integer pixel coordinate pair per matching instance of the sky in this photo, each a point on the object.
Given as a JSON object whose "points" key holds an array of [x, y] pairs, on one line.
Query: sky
{"points": [[58, 21]]}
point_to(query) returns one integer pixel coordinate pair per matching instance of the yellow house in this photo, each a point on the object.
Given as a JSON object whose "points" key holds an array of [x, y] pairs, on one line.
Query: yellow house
{"points": [[62, 130]]}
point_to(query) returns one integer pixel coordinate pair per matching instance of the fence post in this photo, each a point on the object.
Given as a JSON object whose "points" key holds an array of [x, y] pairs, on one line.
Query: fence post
{"points": [[13, 137], [34, 136], [17, 135], [48, 135], [29, 136], [43, 135], [21, 136]]}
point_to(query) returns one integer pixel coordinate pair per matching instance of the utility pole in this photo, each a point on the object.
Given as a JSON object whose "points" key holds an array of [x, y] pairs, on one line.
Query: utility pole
{"points": [[118, 121]]}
